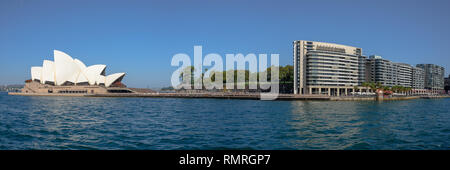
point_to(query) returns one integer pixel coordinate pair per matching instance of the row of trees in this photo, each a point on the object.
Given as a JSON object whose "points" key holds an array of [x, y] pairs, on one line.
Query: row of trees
{"points": [[286, 74], [285, 77], [375, 86]]}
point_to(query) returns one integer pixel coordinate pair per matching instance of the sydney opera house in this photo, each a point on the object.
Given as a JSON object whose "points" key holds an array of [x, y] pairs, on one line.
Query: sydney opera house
{"points": [[66, 75]]}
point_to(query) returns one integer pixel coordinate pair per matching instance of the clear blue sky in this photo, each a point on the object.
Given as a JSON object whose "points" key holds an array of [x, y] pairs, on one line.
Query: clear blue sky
{"points": [[140, 37]]}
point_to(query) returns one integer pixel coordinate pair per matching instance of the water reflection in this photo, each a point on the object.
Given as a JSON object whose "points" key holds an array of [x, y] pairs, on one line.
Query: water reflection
{"points": [[66, 120], [152, 123], [368, 124], [322, 124]]}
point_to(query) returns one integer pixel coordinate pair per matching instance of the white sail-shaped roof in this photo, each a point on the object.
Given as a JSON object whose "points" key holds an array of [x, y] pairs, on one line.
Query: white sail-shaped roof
{"points": [[80, 64], [93, 72], [48, 71], [80, 67], [110, 79], [101, 79], [36, 73], [66, 69], [82, 78], [74, 77]]}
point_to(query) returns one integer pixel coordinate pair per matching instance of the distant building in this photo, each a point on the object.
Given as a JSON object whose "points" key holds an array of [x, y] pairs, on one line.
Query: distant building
{"points": [[434, 77], [334, 69], [327, 68], [447, 84], [388, 73]]}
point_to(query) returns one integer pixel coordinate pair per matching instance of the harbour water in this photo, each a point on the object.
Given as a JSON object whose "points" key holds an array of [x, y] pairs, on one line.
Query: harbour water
{"points": [[32, 122]]}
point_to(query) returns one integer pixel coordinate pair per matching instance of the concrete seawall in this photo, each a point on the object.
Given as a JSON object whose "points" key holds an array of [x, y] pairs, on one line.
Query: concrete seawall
{"points": [[183, 95], [47, 94], [214, 95], [349, 98], [248, 96]]}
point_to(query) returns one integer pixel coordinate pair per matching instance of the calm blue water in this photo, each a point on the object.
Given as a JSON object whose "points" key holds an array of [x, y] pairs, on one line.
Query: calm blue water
{"points": [[153, 123]]}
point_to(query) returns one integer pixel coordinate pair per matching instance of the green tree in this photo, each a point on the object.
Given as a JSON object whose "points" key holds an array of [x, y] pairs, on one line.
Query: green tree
{"points": [[187, 69], [355, 88], [365, 85], [372, 86]]}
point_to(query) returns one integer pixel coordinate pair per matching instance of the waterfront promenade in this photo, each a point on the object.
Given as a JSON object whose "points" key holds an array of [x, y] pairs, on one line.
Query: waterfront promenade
{"points": [[250, 96]]}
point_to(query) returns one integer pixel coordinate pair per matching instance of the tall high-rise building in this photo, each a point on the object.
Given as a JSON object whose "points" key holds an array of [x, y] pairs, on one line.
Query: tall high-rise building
{"points": [[362, 69], [334, 69], [434, 76], [326, 68], [388, 73], [418, 78]]}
